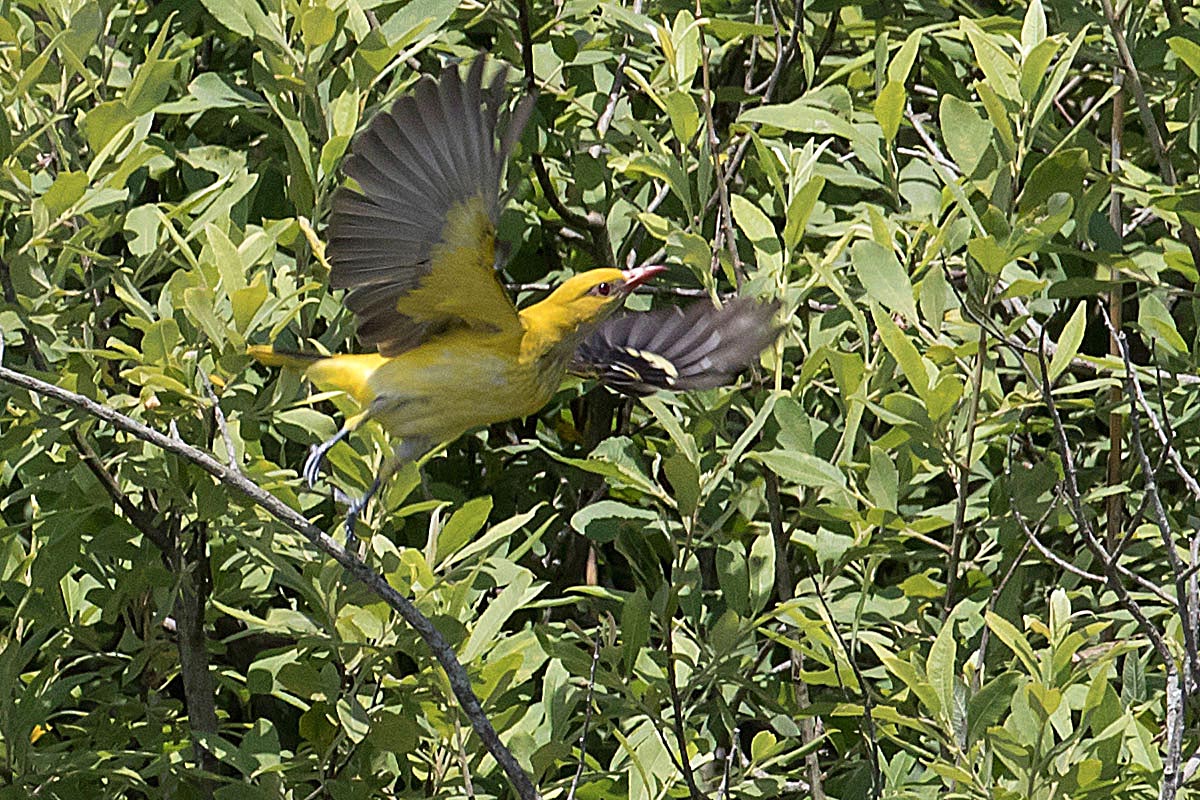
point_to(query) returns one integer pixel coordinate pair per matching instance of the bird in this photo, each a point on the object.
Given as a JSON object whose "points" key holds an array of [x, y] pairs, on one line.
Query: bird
{"points": [[414, 245]]}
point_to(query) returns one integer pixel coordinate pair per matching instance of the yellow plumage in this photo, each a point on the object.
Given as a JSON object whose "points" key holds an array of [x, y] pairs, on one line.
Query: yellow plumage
{"points": [[414, 245]]}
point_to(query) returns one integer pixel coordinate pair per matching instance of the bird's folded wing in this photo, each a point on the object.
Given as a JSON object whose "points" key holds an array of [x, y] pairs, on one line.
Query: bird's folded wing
{"points": [[415, 245], [676, 349]]}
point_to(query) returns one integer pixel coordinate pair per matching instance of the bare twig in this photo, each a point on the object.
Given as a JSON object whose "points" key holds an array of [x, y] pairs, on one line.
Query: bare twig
{"points": [[1187, 233], [964, 474], [591, 223], [1164, 439], [587, 719], [1136, 399], [870, 735], [219, 417], [685, 761], [460, 683], [614, 94], [785, 588], [725, 215]]}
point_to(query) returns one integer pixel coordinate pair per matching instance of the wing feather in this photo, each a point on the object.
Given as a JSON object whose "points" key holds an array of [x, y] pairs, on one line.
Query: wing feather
{"points": [[699, 347], [415, 243]]}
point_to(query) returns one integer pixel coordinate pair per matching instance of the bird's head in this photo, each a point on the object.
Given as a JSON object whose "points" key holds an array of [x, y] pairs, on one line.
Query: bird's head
{"points": [[589, 297]]}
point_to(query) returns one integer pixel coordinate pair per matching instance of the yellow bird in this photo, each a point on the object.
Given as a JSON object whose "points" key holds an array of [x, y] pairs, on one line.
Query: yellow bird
{"points": [[415, 246]]}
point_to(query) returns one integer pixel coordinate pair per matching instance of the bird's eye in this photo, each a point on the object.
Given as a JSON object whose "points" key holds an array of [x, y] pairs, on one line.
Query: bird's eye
{"points": [[603, 289]]}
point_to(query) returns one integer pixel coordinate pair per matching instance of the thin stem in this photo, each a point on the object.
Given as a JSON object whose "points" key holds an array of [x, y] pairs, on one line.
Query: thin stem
{"points": [[460, 683], [685, 761]]}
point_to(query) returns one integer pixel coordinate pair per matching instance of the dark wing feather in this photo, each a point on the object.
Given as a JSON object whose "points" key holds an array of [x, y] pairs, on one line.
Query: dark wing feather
{"points": [[415, 244], [676, 349]]}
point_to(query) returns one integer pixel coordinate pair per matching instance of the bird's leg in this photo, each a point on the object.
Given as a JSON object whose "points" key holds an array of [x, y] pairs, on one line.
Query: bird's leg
{"points": [[312, 465], [408, 450], [359, 503]]}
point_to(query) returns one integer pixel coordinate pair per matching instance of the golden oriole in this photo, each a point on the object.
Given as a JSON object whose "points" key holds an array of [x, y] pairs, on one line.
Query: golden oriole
{"points": [[415, 246]]}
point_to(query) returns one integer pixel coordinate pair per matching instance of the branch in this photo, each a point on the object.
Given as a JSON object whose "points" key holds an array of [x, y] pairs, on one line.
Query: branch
{"points": [[786, 589], [685, 761], [592, 223], [460, 683], [587, 719], [1133, 392], [725, 215], [1186, 231]]}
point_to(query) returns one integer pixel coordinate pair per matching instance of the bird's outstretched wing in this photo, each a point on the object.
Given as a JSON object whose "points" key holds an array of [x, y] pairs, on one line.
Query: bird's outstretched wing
{"points": [[416, 244], [677, 349]]}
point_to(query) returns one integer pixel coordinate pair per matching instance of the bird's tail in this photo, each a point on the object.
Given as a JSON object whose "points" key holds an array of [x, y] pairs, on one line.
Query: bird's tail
{"points": [[270, 357], [344, 373]]}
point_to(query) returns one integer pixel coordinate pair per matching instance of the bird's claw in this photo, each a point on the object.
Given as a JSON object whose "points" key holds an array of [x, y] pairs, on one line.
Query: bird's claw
{"points": [[356, 505], [312, 465]]}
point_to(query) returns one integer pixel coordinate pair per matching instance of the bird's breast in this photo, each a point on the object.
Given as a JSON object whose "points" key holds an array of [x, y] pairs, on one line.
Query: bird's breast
{"points": [[455, 383]]}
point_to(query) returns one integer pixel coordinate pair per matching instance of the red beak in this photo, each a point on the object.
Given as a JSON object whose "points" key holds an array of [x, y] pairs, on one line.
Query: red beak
{"points": [[638, 275]]}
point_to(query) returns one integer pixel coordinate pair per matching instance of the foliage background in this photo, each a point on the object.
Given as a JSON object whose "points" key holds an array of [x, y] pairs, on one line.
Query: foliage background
{"points": [[856, 573]]}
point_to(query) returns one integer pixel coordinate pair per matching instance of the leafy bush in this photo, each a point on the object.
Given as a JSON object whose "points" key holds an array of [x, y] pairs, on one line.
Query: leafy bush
{"points": [[929, 547]]}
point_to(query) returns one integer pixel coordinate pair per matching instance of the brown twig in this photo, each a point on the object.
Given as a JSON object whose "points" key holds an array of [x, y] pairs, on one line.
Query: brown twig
{"points": [[460, 683], [587, 719], [591, 223], [725, 214], [785, 588], [1187, 233], [685, 761], [1134, 395]]}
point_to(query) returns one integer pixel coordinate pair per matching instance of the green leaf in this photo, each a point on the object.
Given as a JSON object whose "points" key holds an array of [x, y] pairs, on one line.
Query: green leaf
{"points": [[1035, 68], [804, 469], [884, 278], [1156, 321], [1014, 640], [911, 363], [225, 256], [734, 577], [1187, 51], [198, 302], [1064, 171], [990, 254], [901, 65], [998, 115], [1033, 27], [461, 527], [759, 230], [987, 706], [730, 29], [999, 69], [317, 25], [603, 520], [635, 627], [761, 568], [933, 298], [684, 475], [941, 667], [66, 191], [801, 116], [889, 109], [1068, 341], [966, 133], [1057, 78], [685, 118], [883, 481], [516, 595], [799, 210]]}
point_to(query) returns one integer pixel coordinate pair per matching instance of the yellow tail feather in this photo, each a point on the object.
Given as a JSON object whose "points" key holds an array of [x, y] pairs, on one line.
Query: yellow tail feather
{"points": [[269, 356], [345, 373]]}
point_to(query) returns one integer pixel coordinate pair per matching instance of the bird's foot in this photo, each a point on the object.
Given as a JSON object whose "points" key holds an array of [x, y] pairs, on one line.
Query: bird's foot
{"points": [[312, 465], [356, 506]]}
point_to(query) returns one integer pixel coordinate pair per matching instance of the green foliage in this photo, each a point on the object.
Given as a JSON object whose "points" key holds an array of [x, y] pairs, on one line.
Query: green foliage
{"points": [[777, 554]]}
